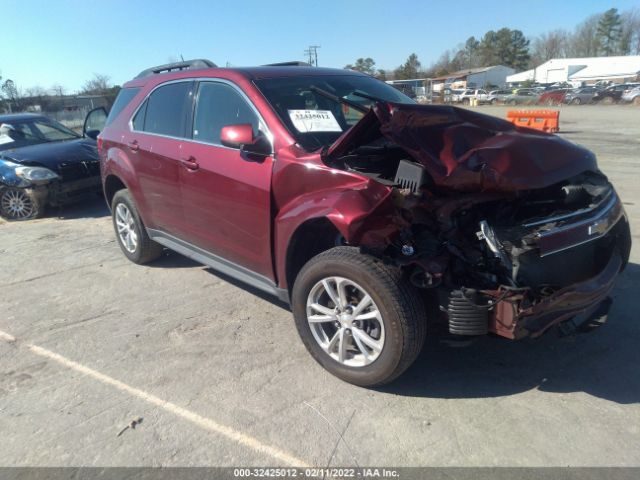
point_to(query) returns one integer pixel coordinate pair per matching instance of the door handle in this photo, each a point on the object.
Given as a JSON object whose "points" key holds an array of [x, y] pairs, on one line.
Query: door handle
{"points": [[190, 163], [133, 145]]}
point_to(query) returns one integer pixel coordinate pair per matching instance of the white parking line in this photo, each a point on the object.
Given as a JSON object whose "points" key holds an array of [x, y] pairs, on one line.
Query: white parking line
{"points": [[199, 420]]}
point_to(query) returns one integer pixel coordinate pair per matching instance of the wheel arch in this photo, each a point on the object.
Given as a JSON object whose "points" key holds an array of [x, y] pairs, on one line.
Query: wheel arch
{"points": [[310, 238], [112, 184]]}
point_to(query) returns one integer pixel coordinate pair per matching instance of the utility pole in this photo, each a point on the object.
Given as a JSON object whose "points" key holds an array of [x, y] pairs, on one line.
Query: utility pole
{"points": [[312, 54]]}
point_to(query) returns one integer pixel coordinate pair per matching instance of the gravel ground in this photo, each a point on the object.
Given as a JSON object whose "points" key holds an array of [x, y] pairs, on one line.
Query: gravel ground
{"points": [[91, 342]]}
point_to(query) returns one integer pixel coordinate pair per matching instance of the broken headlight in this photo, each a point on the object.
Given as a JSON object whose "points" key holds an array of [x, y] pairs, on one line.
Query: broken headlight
{"points": [[36, 174]]}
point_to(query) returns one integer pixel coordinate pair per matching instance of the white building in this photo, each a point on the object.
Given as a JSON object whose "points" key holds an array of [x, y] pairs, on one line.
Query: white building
{"points": [[474, 78], [582, 70]]}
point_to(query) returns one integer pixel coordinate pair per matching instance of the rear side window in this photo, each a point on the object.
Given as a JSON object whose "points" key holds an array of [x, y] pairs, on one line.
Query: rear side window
{"points": [[167, 110], [219, 105], [125, 95]]}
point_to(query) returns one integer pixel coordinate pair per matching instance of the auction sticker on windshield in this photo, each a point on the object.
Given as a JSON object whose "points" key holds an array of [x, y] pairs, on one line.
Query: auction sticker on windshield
{"points": [[314, 121]]}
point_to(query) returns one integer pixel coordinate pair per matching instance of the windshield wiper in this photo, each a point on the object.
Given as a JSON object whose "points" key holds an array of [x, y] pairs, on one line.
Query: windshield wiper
{"points": [[361, 94], [337, 99]]}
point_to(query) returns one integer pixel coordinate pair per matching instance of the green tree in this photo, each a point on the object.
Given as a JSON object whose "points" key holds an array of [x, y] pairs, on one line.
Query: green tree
{"points": [[364, 65], [609, 32], [410, 68], [505, 47]]}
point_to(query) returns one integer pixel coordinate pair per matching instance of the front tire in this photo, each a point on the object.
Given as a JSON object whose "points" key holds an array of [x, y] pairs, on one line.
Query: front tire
{"points": [[19, 204], [131, 233], [358, 318], [576, 101]]}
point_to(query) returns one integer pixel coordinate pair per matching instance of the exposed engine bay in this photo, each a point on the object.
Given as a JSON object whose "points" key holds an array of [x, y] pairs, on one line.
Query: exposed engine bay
{"points": [[495, 242]]}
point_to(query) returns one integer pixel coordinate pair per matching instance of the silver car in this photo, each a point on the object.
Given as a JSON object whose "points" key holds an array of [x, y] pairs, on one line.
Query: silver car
{"points": [[581, 95], [631, 96], [498, 96]]}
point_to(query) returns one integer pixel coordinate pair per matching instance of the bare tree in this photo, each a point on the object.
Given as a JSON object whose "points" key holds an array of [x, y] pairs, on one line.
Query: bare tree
{"points": [[584, 41], [630, 38], [14, 95], [98, 85], [58, 90], [549, 45]]}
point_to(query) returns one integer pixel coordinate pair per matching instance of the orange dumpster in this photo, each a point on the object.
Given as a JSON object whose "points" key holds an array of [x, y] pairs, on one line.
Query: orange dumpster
{"points": [[545, 120]]}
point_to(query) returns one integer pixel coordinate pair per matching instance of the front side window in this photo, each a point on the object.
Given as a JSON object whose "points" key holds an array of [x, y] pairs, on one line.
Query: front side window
{"points": [[167, 110], [219, 105]]}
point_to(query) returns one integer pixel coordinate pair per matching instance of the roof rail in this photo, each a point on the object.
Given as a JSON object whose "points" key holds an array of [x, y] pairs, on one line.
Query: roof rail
{"points": [[288, 64], [170, 67]]}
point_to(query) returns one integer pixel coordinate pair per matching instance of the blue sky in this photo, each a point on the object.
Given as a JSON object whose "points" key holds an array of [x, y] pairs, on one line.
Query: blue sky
{"points": [[65, 42]]}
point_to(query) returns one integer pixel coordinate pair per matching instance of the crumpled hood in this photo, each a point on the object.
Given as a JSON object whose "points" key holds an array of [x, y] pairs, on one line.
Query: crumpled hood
{"points": [[51, 155], [468, 151]]}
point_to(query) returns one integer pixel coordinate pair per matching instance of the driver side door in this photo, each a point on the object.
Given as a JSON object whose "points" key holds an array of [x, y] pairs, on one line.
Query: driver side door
{"points": [[226, 195]]}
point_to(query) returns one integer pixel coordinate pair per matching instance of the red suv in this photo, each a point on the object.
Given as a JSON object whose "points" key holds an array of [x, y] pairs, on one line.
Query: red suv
{"points": [[375, 218]]}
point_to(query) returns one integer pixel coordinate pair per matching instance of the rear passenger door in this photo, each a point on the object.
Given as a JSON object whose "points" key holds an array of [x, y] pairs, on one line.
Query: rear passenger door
{"points": [[226, 194], [155, 147]]}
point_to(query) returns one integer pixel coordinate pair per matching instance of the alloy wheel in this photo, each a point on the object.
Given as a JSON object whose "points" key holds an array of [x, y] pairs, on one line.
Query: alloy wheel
{"points": [[345, 321], [17, 205], [126, 228]]}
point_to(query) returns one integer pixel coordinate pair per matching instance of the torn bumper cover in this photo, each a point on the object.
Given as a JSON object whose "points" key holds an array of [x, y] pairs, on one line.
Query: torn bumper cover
{"points": [[515, 317], [510, 319]]}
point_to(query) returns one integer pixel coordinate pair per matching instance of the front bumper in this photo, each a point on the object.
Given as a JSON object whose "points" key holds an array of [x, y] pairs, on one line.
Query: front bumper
{"points": [[517, 317]]}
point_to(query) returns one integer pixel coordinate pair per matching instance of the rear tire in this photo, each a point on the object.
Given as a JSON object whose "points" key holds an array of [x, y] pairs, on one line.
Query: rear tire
{"points": [[576, 101], [394, 322], [131, 233], [607, 101]]}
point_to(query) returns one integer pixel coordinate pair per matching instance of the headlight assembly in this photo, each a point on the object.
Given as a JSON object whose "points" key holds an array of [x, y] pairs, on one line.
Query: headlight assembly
{"points": [[36, 174]]}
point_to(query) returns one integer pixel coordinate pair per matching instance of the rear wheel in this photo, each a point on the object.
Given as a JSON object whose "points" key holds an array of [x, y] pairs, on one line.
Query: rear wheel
{"points": [[130, 231], [360, 319], [19, 204], [576, 101], [607, 101]]}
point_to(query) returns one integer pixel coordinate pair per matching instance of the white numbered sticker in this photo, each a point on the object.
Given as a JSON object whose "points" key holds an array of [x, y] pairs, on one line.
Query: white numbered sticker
{"points": [[314, 121]]}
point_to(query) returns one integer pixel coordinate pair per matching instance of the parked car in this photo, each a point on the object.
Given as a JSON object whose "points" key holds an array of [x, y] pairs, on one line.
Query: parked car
{"points": [[581, 95], [469, 94], [498, 96], [362, 225], [612, 94], [522, 96], [553, 97], [456, 94], [43, 163], [631, 96]]}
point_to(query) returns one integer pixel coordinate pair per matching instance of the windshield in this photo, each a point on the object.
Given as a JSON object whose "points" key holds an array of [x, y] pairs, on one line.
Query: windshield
{"points": [[318, 109], [32, 131]]}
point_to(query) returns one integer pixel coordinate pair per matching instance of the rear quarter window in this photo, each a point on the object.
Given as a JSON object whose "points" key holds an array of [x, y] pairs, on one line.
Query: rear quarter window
{"points": [[122, 100]]}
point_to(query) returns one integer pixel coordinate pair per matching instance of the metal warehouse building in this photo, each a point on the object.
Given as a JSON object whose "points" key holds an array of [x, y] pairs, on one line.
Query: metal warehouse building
{"points": [[582, 70], [474, 78]]}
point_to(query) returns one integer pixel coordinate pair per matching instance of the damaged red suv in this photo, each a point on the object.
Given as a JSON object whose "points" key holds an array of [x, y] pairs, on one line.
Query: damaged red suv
{"points": [[376, 219]]}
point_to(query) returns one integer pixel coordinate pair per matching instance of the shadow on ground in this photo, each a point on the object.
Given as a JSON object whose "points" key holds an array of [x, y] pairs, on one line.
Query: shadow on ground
{"points": [[603, 363], [92, 207]]}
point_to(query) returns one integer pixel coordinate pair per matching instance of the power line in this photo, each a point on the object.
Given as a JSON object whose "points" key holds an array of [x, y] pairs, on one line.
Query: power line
{"points": [[312, 54]]}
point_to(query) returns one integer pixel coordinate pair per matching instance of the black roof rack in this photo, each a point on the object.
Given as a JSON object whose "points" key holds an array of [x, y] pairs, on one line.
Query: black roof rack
{"points": [[288, 64], [170, 67]]}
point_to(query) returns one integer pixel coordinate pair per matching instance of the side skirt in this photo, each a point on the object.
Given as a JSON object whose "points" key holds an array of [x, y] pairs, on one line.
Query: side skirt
{"points": [[218, 263]]}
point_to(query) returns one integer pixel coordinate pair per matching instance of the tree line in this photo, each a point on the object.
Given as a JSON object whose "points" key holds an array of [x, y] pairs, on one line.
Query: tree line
{"points": [[605, 34], [15, 98]]}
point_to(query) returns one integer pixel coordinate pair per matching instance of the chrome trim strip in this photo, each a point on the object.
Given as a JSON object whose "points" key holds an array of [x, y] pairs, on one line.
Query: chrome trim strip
{"points": [[565, 216], [611, 213]]}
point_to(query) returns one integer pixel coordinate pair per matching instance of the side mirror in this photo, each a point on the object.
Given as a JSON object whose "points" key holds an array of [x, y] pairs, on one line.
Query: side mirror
{"points": [[241, 137], [94, 122]]}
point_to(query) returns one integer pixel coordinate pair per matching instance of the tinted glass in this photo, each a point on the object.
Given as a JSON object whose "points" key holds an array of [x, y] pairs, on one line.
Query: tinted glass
{"points": [[168, 109], [122, 100], [138, 120], [219, 105]]}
